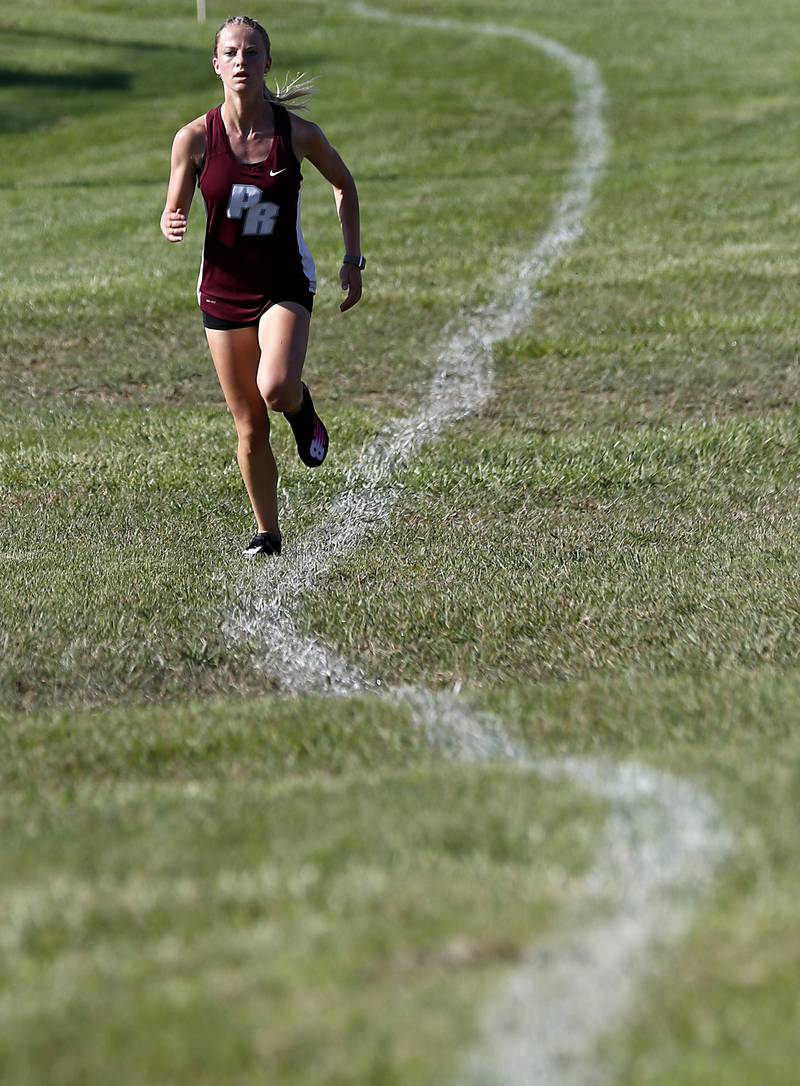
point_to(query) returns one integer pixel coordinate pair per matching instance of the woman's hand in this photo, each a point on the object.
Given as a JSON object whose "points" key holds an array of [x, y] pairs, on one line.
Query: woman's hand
{"points": [[350, 277], [173, 224]]}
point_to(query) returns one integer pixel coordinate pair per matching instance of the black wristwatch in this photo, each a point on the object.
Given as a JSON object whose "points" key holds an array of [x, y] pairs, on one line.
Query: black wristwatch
{"points": [[359, 262]]}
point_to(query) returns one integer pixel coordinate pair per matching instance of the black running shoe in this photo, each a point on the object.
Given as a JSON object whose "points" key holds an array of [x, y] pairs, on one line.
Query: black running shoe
{"points": [[309, 432], [263, 543]]}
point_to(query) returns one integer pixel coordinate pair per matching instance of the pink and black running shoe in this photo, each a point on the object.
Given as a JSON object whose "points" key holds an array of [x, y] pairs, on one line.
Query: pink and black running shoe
{"points": [[309, 432]]}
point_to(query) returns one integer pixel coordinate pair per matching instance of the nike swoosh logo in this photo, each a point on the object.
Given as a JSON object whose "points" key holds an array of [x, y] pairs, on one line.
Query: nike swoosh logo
{"points": [[274, 173]]}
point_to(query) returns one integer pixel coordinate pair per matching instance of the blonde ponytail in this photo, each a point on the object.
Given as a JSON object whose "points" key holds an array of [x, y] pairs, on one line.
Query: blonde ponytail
{"points": [[295, 93]]}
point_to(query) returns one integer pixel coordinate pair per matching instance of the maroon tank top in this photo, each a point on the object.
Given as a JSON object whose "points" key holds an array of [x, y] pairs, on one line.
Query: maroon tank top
{"points": [[254, 252]]}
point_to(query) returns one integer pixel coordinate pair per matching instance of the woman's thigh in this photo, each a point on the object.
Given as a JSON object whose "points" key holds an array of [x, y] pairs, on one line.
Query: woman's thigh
{"points": [[236, 354], [283, 336]]}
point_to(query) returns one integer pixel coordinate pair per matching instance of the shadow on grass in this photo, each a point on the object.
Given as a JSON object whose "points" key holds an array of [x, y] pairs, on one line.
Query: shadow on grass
{"points": [[105, 79], [98, 70]]}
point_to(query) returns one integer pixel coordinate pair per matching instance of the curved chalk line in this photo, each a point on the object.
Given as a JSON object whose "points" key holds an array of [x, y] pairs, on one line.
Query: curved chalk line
{"points": [[663, 838]]}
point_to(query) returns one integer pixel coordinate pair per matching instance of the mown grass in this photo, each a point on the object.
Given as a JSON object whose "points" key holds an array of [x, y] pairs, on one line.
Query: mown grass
{"points": [[725, 1011], [123, 538], [200, 892], [203, 878], [657, 550]]}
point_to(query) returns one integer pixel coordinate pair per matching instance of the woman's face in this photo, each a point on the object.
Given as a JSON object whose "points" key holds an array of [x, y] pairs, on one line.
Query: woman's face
{"points": [[241, 61]]}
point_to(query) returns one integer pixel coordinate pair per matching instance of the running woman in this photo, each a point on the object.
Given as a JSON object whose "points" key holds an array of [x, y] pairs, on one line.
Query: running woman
{"points": [[257, 278]]}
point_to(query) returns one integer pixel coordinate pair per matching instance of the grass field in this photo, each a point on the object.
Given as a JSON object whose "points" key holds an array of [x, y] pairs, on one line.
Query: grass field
{"points": [[206, 880]]}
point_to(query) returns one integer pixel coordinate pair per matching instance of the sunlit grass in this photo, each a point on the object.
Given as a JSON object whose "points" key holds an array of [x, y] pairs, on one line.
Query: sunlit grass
{"points": [[204, 878]]}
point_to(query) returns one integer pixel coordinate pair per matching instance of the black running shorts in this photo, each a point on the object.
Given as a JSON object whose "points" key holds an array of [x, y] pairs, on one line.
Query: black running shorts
{"points": [[306, 300]]}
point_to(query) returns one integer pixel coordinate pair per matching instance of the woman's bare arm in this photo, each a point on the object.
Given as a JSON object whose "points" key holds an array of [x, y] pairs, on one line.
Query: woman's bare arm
{"points": [[188, 149], [310, 142]]}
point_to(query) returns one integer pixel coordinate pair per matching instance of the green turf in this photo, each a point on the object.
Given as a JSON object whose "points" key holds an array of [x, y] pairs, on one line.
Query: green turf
{"points": [[725, 1012], [203, 890], [203, 878]]}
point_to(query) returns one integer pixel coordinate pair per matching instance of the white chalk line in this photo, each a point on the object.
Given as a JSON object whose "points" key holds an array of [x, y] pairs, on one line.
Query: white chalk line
{"points": [[663, 837]]}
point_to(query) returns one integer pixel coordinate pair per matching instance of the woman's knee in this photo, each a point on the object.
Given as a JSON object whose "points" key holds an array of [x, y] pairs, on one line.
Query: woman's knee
{"points": [[280, 393], [252, 431]]}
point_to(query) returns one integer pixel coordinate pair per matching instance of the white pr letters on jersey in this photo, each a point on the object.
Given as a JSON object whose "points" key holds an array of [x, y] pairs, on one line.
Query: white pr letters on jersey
{"points": [[260, 217]]}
